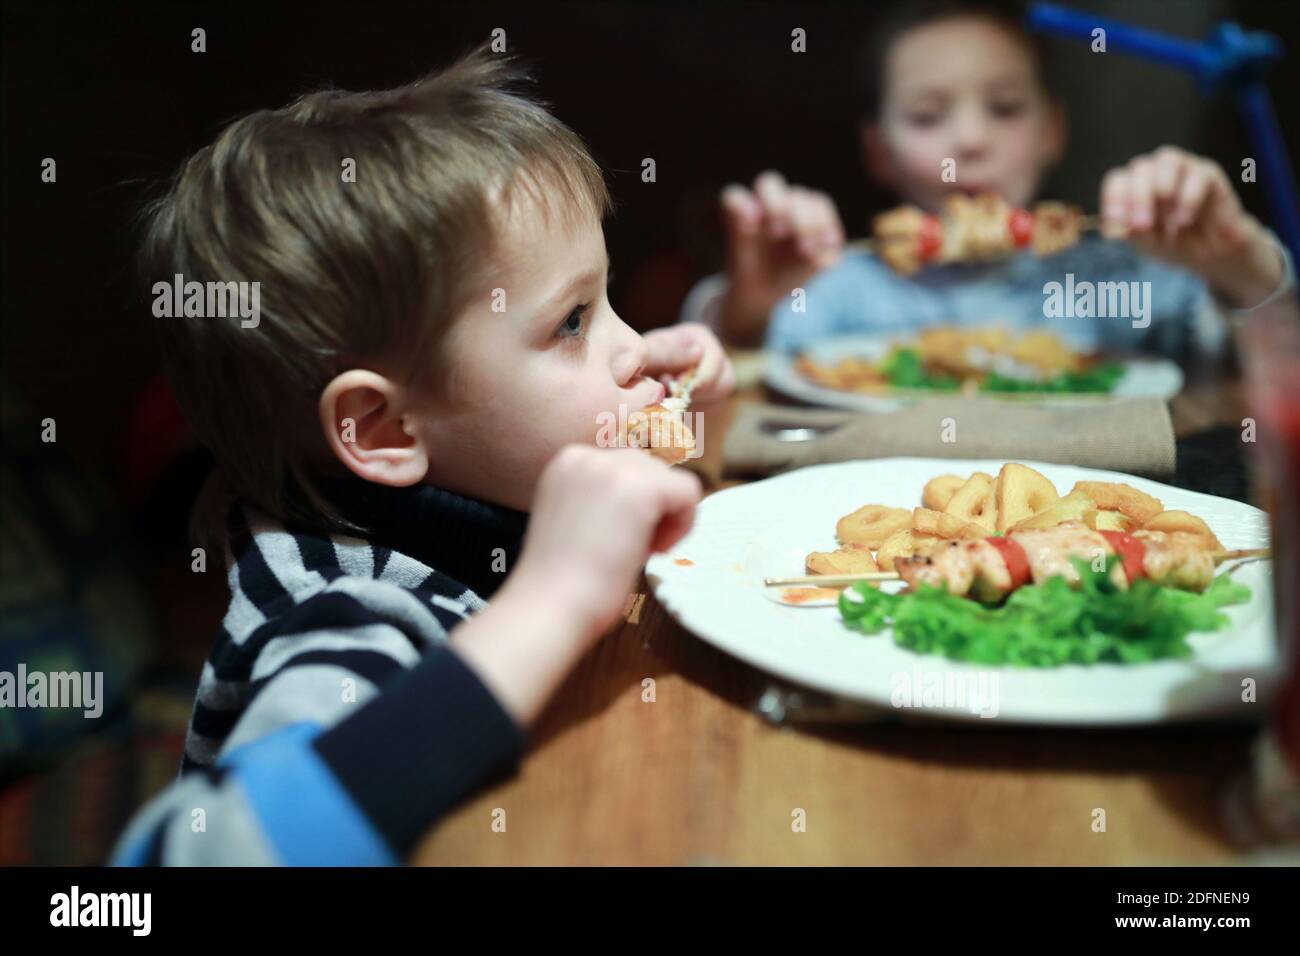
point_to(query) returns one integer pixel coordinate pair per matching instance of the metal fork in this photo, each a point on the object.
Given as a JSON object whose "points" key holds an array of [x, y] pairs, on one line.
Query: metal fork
{"points": [[796, 431]]}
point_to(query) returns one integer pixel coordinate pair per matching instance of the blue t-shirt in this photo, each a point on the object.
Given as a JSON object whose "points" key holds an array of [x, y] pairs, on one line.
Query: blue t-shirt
{"points": [[1098, 294]]}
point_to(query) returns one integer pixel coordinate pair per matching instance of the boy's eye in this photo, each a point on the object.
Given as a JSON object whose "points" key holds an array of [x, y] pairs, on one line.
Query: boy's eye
{"points": [[1008, 108], [923, 119], [571, 327]]}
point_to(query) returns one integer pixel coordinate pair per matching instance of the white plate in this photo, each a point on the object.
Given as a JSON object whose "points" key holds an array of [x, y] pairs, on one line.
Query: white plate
{"points": [[1143, 378], [712, 583]]}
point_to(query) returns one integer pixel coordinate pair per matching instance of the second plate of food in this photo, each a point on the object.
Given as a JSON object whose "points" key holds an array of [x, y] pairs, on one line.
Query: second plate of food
{"points": [[884, 372], [1060, 655]]}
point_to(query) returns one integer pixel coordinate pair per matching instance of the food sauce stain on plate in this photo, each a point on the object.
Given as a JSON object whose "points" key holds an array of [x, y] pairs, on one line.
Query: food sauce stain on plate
{"points": [[684, 562], [804, 595]]}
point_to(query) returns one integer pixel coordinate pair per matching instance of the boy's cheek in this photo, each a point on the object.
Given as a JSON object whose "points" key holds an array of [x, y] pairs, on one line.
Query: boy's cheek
{"points": [[563, 414], [920, 161]]}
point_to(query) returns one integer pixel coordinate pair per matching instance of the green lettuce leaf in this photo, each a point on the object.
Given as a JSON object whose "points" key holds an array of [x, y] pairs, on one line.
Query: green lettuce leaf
{"points": [[1048, 624]]}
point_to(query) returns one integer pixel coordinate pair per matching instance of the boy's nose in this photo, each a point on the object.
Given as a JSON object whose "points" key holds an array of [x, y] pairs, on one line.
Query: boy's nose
{"points": [[972, 133], [636, 374], [631, 364], [972, 143]]}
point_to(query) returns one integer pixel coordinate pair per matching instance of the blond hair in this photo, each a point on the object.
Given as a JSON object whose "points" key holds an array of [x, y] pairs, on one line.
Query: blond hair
{"points": [[350, 272]]}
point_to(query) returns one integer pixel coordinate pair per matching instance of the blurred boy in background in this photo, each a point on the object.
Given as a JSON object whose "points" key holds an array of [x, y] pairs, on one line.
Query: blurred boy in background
{"points": [[956, 81]]}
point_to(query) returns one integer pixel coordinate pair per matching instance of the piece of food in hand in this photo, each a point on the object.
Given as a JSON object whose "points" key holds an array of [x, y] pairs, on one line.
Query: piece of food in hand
{"points": [[943, 525], [850, 559], [1070, 508], [972, 503], [976, 228], [907, 238], [872, 524], [1116, 496], [1021, 493], [1181, 521], [1056, 227], [939, 491], [972, 229], [661, 431]]}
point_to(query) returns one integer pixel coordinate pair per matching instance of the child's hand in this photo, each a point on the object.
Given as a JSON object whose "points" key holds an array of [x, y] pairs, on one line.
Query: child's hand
{"points": [[1183, 209], [675, 349], [778, 236], [597, 515]]}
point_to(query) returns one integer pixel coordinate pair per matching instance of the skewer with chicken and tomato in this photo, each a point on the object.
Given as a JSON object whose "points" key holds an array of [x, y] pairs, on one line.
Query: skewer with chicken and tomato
{"points": [[973, 229], [988, 569]]}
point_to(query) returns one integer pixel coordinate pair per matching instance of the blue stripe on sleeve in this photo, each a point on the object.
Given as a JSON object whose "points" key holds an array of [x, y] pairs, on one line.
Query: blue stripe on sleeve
{"points": [[307, 817], [145, 851]]}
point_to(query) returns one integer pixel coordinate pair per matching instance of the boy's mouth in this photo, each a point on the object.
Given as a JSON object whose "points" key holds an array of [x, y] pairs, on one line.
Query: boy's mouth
{"points": [[973, 190]]}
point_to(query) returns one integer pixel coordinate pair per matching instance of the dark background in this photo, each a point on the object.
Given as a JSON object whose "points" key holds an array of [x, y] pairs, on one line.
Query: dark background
{"points": [[95, 569], [712, 91]]}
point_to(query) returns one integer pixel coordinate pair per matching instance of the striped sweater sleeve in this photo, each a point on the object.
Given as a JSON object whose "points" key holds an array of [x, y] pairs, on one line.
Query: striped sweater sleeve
{"points": [[337, 788]]}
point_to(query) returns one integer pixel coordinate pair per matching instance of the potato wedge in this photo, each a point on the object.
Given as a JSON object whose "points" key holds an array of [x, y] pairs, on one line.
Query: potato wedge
{"points": [[970, 500], [923, 544], [872, 524], [900, 544], [943, 525], [1101, 520], [1069, 508], [939, 491], [853, 559], [1171, 521], [1021, 493], [1114, 496], [989, 512]]}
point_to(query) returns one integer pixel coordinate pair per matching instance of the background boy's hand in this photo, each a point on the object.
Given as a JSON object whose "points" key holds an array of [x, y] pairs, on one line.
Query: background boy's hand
{"points": [[1183, 209], [597, 515], [675, 349], [778, 236]]}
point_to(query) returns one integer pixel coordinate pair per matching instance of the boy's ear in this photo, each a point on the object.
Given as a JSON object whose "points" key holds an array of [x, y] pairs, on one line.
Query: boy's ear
{"points": [[875, 155], [363, 419]]}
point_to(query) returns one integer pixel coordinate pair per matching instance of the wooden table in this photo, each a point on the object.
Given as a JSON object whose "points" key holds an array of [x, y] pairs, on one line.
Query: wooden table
{"points": [[697, 777]]}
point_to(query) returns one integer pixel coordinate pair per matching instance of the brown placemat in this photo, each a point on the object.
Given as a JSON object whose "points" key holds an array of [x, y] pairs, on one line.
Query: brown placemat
{"points": [[1134, 436]]}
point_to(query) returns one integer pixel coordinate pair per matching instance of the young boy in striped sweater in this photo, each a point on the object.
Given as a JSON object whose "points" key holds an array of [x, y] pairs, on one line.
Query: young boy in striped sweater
{"points": [[407, 428]]}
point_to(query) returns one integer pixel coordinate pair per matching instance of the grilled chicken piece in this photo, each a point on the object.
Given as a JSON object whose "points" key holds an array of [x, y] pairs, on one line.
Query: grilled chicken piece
{"points": [[963, 567], [1176, 559]]}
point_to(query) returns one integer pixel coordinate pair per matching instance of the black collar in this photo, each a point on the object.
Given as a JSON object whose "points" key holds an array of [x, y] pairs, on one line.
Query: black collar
{"points": [[473, 541]]}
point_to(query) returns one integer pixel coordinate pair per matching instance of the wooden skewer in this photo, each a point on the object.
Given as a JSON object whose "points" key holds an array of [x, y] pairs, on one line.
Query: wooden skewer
{"points": [[837, 580], [684, 384], [832, 580], [1221, 556]]}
